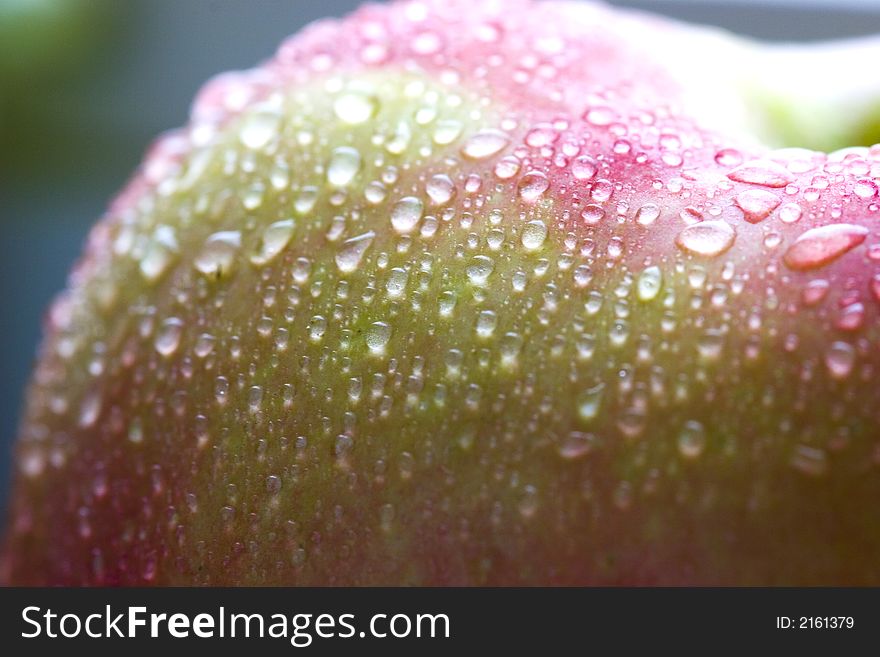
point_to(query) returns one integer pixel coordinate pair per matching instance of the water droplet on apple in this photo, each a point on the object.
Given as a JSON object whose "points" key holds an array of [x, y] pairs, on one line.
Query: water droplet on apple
{"points": [[583, 167], [276, 236], [840, 359], [541, 135], [757, 204], [790, 213], [692, 440], [706, 238], [168, 337], [487, 320], [484, 144], [576, 445], [377, 336], [762, 172], [345, 162], [440, 189], [479, 269], [810, 461], [592, 214], [649, 283], [218, 254], [354, 107], [865, 188], [532, 186], [819, 246], [647, 214], [534, 234], [446, 131], [352, 250], [589, 401], [258, 129], [814, 292], [405, 214]]}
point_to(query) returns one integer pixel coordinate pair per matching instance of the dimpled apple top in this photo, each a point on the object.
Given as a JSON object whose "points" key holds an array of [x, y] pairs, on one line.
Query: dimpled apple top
{"points": [[465, 292]]}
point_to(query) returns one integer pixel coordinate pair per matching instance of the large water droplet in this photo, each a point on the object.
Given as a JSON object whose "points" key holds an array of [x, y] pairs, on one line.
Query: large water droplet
{"points": [[486, 323], [90, 409], [343, 166], [649, 283], [377, 336], [757, 204], [258, 129], [446, 131], [160, 253], [479, 270], [810, 461], [354, 107], [440, 189], [485, 143], [707, 238], [528, 503], [406, 214], [819, 246], [532, 186], [839, 359], [583, 167], [276, 237], [592, 214], [352, 250], [168, 336], [865, 188], [576, 445], [589, 401], [533, 235], [396, 284], [647, 214], [510, 345], [762, 172], [692, 440], [790, 213], [217, 257]]}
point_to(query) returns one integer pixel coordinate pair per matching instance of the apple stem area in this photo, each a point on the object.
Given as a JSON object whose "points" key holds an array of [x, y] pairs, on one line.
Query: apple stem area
{"points": [[823, 96]]}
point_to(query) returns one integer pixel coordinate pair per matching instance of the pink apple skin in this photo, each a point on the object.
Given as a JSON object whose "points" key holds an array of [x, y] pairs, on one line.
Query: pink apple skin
{"points": [[465, 292]]}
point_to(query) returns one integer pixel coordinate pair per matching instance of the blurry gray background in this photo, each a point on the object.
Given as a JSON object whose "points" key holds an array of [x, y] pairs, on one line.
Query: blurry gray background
{"points": [[86, 84]]}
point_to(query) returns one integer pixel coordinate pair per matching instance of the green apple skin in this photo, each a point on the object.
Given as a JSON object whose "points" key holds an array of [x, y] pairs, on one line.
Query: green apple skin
{"points": [[465, 293]]}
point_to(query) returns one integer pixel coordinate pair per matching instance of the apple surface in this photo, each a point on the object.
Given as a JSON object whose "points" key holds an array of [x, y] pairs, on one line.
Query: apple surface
{"points": [[474, 292]]}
